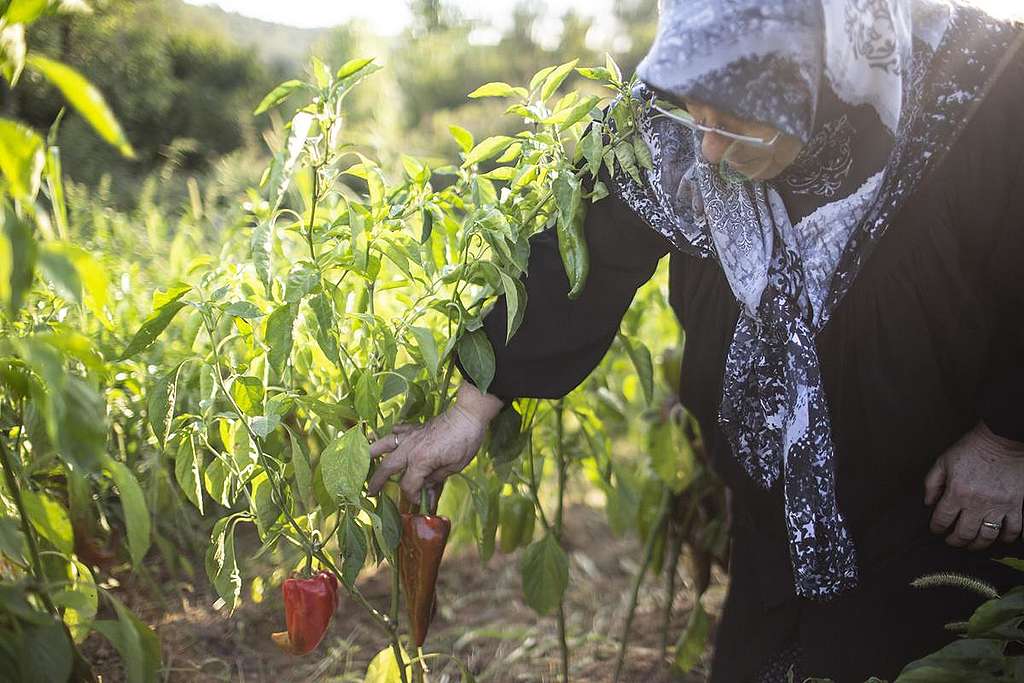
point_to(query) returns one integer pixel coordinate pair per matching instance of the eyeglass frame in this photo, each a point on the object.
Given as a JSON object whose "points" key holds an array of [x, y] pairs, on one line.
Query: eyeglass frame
{"points": [[692, 124]]}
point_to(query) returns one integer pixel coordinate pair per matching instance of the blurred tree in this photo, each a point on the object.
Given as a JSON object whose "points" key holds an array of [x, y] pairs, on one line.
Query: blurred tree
{"points": [[427, 15], [180, 89], [184, 86]]}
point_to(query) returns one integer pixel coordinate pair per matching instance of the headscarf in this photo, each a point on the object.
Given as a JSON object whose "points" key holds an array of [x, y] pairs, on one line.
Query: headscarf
{"points": [[878, 90]]}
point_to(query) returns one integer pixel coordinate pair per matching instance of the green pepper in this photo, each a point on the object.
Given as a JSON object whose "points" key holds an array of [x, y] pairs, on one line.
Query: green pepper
{"points": [[570, 213], [517, 519]]}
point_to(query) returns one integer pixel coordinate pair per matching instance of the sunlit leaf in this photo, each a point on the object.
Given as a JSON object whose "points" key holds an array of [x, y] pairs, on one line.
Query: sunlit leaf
{"points": [[188, 470], [487, 149], [12, 52], [85, 98], [21, 159], [136, 515], [462, 136], [384, 668], [278, 95], [353, 66], [156, 323], [555, 79], [280, 335], [477, 356], [284, 165], [50, 519], [344, 465], [248, 394], [499, 89], [427, 345], [25, 11], [221, 566]]}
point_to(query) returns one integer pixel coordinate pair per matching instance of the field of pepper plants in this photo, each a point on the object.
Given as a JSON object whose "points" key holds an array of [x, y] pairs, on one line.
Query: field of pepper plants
{"points": [[188, 395]]}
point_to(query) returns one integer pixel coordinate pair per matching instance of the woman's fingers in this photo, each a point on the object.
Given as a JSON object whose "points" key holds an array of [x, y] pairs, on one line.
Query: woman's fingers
{"points": [[389, 442], [966, 529], [384, 444], [934, 482], [987, 534], [415, 474], [1011, 528], [944, 515], [392, 464]]}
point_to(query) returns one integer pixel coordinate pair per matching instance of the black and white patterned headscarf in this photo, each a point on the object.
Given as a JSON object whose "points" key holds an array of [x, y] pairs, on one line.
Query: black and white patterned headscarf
{"points": [[878, 90]]}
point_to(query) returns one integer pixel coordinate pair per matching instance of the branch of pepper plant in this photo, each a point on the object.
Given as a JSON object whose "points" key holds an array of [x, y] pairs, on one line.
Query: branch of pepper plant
{"points": [[81, 665], [14, 488], [675, 552], [444, 398], [383, 620], [663, 510], [562, 467], [396, 648], [312, 212], [534, 486]]}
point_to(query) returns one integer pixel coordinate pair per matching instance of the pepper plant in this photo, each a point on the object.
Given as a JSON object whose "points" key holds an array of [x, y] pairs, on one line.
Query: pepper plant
{"points": [[54, 430], [341, 305]]}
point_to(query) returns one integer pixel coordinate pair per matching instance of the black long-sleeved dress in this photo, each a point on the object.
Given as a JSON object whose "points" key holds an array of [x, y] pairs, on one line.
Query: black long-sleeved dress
{"points": [[929, 340]]}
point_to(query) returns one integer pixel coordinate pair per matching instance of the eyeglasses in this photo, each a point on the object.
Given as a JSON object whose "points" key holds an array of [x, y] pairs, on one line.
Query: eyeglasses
{"points": [[686, 118]]}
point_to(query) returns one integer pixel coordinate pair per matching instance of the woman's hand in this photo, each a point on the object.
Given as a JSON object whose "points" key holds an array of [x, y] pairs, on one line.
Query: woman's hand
{"points": [[980, 479], [431, 452]]}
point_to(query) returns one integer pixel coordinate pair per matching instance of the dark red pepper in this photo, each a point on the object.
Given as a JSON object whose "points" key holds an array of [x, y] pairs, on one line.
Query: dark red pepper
{"points": [[419, 555], [309, 605]]}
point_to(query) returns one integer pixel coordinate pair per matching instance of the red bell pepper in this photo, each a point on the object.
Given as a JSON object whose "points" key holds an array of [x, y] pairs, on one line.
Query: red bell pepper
{"points": [[419, 555], [309, 605]]}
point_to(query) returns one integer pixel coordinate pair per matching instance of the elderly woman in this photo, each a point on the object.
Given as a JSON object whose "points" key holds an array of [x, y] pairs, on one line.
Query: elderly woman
{"points": [[840, 184]]}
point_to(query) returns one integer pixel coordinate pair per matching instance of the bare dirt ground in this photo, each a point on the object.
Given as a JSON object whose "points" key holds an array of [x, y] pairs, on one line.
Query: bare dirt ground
{"points": [[481, 619]]}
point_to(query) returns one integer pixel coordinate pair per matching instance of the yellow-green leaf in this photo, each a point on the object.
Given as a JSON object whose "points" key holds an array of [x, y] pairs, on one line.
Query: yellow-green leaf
{"points": [[499, 89], [136, 515], [85, 98], [21, 159]]}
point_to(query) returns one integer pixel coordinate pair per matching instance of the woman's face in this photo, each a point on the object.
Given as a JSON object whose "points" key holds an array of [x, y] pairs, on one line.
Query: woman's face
{"points": [[750, 161]]}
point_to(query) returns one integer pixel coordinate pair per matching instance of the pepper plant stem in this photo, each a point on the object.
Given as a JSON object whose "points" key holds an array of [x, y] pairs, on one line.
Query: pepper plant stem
{"points": [[675, 551], [652, 537], [14, 489], [396, 646], [563, 644], [81, 669]]}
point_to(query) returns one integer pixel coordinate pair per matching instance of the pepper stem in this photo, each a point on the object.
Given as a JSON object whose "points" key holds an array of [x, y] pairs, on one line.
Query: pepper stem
{"points": [[424, 502]]}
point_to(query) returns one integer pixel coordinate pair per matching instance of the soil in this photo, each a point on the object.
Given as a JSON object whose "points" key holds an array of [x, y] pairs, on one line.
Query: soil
{"points": [[481, 619]]}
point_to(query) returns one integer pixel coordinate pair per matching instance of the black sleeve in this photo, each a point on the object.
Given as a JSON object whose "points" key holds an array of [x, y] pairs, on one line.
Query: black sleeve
{"points": [[561, 340], [998, 222], [1001, 400]]}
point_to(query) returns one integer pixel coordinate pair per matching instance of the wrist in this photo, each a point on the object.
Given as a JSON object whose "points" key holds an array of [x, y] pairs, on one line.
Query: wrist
{"points": [[479, 406], [998, 443]]}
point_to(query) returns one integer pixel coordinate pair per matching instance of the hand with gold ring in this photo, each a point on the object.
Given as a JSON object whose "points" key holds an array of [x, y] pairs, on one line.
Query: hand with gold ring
{"points": [[427, 454], [977, 487]]}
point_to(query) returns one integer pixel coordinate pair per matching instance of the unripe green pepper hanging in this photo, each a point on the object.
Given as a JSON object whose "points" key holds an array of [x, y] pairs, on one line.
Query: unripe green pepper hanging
{"points": [[516, 524], [570, 214]]}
